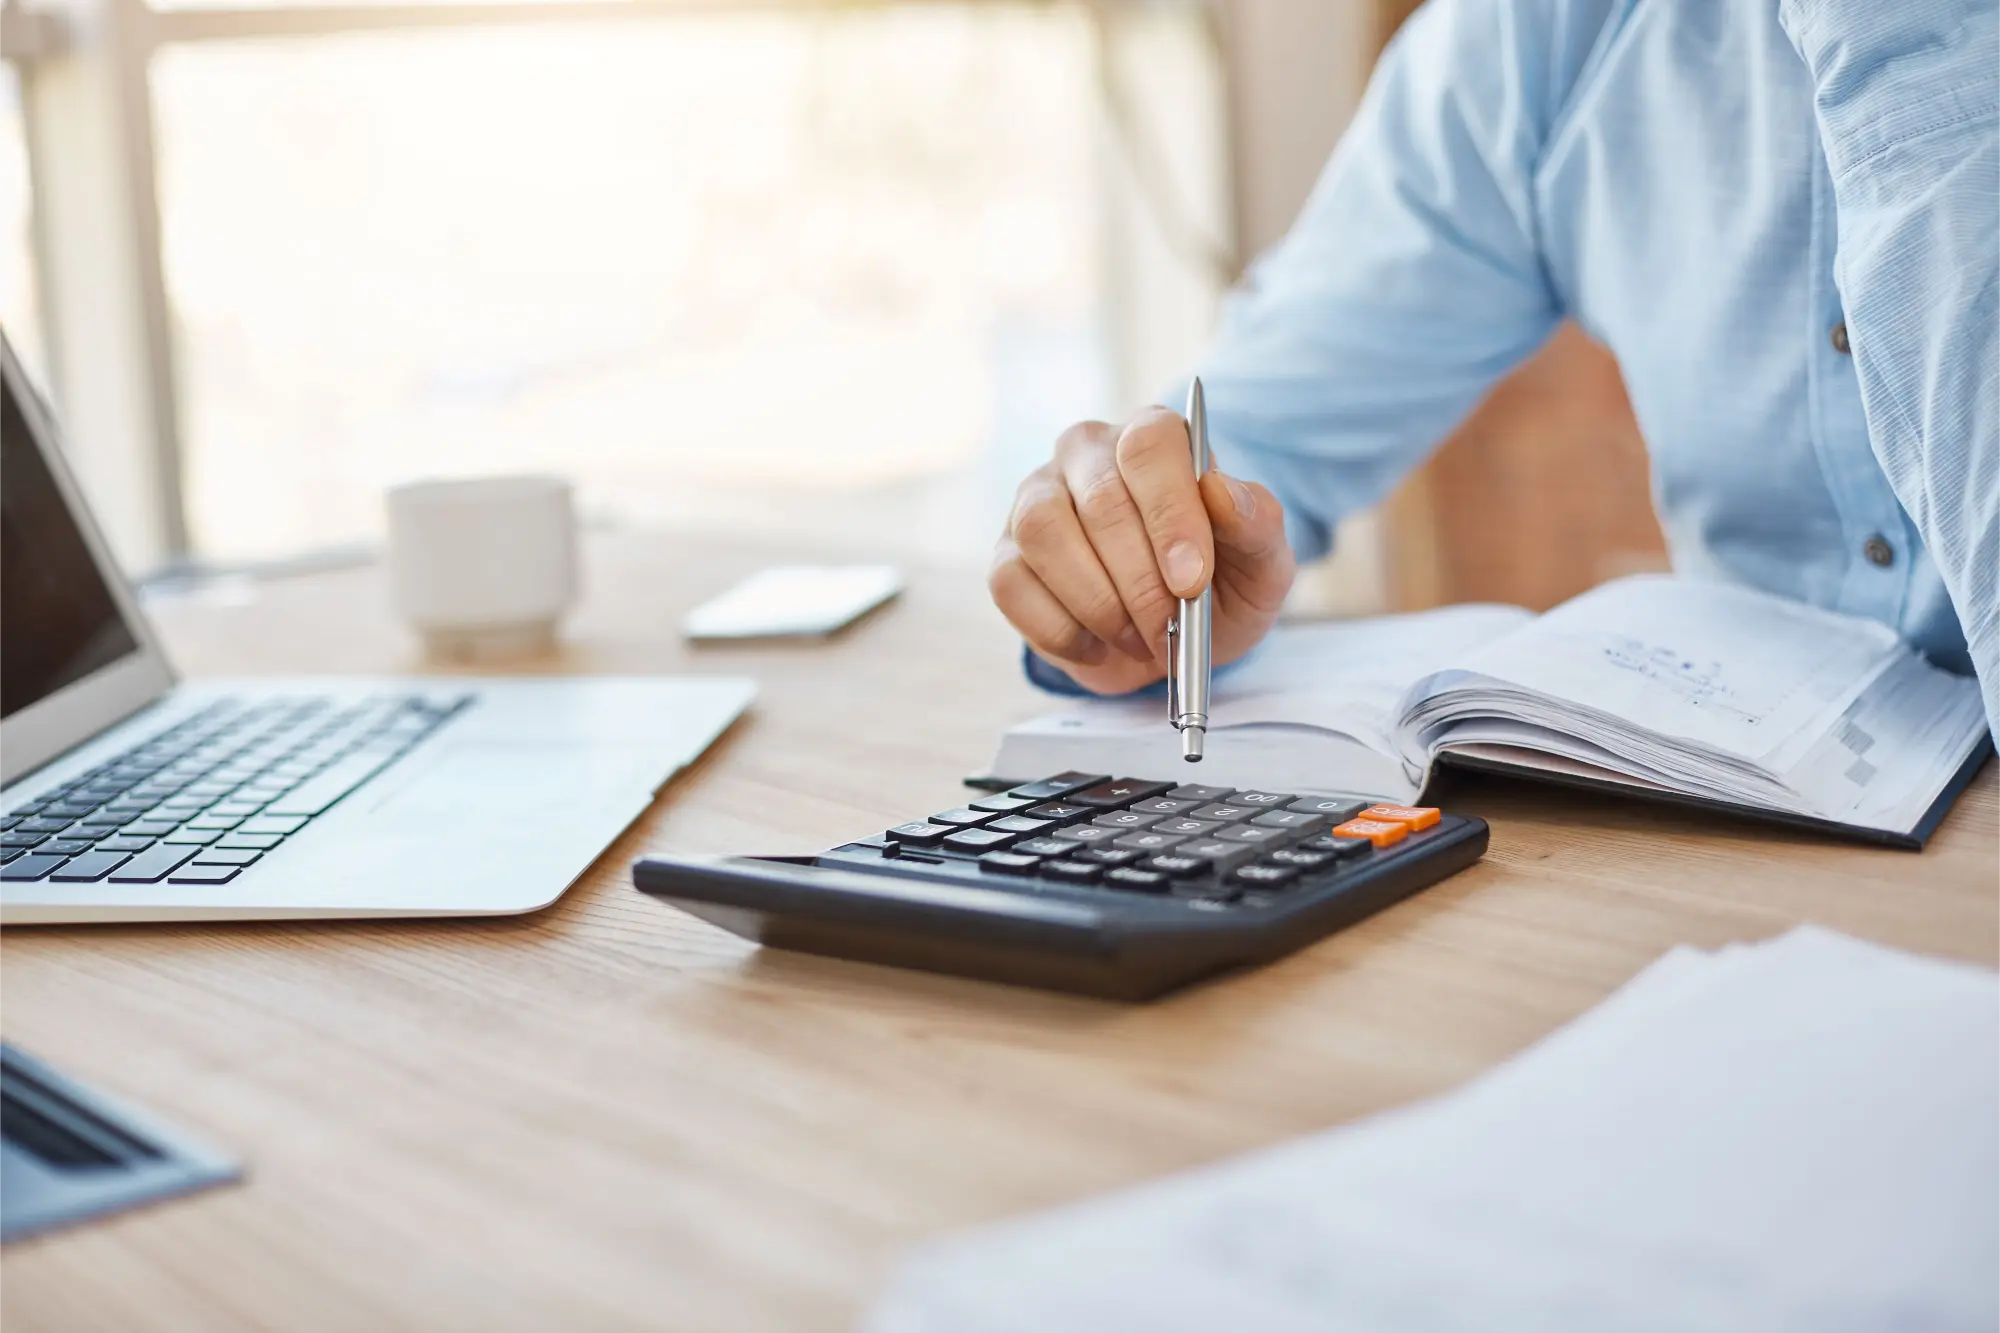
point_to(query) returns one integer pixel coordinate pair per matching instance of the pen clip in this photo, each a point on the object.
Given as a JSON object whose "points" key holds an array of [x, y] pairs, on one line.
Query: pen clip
{"points": [[1173, 681]]}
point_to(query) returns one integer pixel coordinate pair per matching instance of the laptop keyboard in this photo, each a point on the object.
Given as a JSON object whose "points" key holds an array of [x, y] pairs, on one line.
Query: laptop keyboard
{"points": [[198, 802]]}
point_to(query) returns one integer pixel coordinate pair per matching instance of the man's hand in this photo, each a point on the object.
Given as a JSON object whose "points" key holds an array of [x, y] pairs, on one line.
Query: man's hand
{"points": [[1105, 537]]}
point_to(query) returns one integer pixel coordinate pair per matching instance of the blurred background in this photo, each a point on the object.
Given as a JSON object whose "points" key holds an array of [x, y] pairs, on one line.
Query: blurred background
{"points": [[828, 268]]}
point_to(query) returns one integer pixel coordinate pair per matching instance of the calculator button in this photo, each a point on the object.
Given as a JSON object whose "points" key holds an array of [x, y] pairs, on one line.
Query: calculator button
{"points": [[1380, 832], [1416, 818], [1009, 863], [1301, 859], [959, 816], [1003, 804], [977, 839], [1062, 812], [1148, 841], [1062, 784], [1223, 857], [1071, 872], [1044, 847], [1092, 833], [1119, 791], [917, 833], [1126, 820], [1288, 819], [1109, 856], [1336, 808], [1160, 805], [1200, 795], [1264, 877], [1263, 800], [1175, 866], [1147, 881], [1255, 836], [1019, 826], [1224, 814], [1342, 848], [1187, 828]]}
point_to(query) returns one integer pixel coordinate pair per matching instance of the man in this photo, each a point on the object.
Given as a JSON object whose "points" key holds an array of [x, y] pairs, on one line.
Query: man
{"points": [[1782, 217]]}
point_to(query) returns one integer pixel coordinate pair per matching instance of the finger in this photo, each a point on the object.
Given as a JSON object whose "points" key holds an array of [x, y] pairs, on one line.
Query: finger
{"points": [[1046, 529], [1112, 525], [1154, 460], [1253, 556], [1034, 611]]}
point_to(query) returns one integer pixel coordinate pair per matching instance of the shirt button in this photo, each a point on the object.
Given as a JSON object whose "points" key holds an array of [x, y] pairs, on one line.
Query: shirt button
{"points": [[1879, 552], [1839, 336]]}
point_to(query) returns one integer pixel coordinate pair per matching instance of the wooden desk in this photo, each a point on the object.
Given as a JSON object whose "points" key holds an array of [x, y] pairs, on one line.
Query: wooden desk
{"points": [[612, 1116]]}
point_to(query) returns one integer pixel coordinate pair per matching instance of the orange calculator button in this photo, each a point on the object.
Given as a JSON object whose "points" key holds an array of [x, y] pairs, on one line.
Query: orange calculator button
{"points": [[1381, 832], [1413, 817]]}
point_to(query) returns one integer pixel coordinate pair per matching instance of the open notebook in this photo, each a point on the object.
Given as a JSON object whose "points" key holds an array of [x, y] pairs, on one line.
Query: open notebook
{"points": [[1682, 690]]}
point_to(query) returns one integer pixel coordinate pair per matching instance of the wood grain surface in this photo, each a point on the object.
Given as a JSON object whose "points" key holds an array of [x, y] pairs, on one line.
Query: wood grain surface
{"points": [[611, 1116]]}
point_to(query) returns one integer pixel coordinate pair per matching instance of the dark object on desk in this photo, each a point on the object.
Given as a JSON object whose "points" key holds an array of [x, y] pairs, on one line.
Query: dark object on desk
{"points": [[1118, 887], [68, 1154]]}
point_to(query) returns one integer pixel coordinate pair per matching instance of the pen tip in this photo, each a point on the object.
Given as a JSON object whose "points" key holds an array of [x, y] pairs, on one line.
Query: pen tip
{"points": [[1191, 738]]}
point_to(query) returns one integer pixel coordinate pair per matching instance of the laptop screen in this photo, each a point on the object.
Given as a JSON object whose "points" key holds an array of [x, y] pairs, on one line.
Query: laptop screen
{"points": [[58, 619]]}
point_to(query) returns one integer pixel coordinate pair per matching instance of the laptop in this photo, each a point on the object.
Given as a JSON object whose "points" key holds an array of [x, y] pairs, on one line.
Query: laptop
{"points": [[126, 795]]}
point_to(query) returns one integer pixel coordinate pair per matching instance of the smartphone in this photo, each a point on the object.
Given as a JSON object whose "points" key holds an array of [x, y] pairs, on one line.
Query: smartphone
{"points": [[794, 602]]}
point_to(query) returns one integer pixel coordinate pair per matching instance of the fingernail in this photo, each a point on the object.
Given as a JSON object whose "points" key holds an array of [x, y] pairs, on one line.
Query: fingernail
{"points": [[1089, 650], [1246, 503], [1183, 566], [1133, 644]]}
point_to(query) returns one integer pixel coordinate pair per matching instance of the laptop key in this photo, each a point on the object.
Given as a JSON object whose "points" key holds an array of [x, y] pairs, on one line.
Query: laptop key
{"points": [[123, 842], [220, 823], [88, 867], [150, 828], [43, 824], [65, 846], [317, 794], [193, 837], [225, 856], [30, 867], [280, 824], [153, 866], [204, 874], [22, 838]]}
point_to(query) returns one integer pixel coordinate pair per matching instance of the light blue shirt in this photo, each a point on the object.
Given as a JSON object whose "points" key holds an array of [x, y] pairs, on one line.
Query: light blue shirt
{"points": [[1708, 187]]}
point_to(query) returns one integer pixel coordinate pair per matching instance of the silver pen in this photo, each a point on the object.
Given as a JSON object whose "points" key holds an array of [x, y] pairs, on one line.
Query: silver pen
{"points": [[1188, 646]]}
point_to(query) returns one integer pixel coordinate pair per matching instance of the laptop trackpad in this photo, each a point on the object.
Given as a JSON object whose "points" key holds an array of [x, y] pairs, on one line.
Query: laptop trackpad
{"points": [[460, 777]]}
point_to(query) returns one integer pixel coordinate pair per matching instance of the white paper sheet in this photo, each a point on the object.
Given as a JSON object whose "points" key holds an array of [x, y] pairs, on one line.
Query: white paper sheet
{"points": [[1796, 1137]]}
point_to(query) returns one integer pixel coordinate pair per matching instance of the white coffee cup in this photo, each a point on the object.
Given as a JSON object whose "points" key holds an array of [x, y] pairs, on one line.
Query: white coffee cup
{"points": [[483, 567]]}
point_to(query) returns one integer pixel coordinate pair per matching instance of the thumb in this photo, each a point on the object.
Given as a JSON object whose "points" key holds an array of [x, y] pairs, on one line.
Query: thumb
{"points": [[1248, 521], [1252, 557]]}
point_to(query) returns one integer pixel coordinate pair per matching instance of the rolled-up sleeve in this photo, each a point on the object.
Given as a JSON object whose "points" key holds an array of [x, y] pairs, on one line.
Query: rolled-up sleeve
{"points": [[1908, 104], [1410, 282]]}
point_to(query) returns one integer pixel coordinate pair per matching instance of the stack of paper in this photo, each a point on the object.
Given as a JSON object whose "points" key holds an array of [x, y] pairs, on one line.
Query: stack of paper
{"points": [[1798, 1135]]}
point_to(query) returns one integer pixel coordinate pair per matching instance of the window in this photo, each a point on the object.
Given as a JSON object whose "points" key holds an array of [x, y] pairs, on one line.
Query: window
{"points": [[744, 266]]}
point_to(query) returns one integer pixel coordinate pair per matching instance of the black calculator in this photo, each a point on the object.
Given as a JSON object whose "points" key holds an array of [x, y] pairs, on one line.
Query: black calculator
{"points": [[1121, 887]]}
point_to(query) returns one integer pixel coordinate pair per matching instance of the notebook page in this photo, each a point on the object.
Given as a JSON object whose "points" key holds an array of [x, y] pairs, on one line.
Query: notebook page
{"points": [[1722, 666]]}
